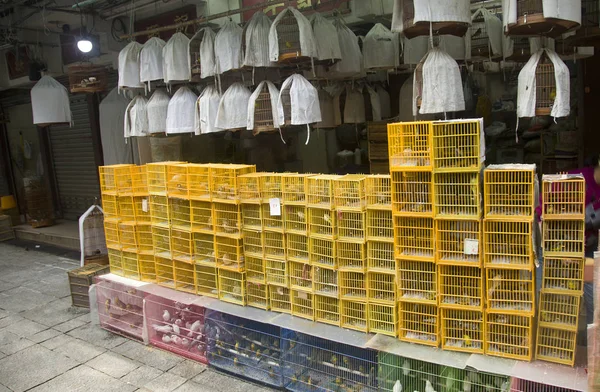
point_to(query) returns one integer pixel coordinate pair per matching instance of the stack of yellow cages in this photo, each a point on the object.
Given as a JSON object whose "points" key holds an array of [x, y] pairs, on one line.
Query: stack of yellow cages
{"points": [[509, 249], [563, 233]]}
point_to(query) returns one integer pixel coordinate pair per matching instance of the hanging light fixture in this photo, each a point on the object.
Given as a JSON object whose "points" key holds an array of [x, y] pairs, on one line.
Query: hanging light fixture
{"points": [[84, 44]]}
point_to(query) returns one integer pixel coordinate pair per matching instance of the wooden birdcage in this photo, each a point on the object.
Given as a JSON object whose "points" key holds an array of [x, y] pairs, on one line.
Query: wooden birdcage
{"points": [[87, 78], [263, 111], [531, 20], [288, 33], [412, 29], [195, 43], [589, 32], [545, 86], [521, 49], [570, 50], [481, 47]]}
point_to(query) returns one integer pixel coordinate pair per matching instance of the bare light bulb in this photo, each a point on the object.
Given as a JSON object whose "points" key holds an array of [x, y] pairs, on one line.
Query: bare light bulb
{"points": [[84, 45]]}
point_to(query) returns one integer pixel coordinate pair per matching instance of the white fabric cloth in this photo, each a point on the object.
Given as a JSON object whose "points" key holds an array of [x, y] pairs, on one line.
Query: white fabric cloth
{"points": [[432, 11], [207, 107], [158, 106], [304, 100], [257, 41], [384, 101], [136, 117], [328, 43], [354, 109], [129, 66], [336, 91], [442, 85], [207, 52], [307, 39], [557, 9], [151, 60], [233, 108], [228, 47], [327, 111], [112, 112], [526, 95], [375, 103], [50, 102], [176, 59], [181, 112], [352, 58], [457, 47], [273, 95], [492, 25], [381, 48], [414, 49]]}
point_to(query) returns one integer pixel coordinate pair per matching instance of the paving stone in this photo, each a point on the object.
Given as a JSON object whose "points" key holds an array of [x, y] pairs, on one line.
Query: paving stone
{"points": [[4, 389], [8, 320], [188, 369], [97, 336], [224, 383], [25, 328], [5, 286], [166, 382], [191, 386], [79, 350], [53, 313], [147, 355], [3, 313], [57, 341], [84, 378], [44, 335], [22, 298], [69, 325], [20, 344], [7, 337], [141, 376], [113, 364], [131, 349]]}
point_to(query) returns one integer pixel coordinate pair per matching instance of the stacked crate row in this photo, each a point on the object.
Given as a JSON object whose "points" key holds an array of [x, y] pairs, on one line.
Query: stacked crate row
{"points": [[509, 259], [563, 231]]}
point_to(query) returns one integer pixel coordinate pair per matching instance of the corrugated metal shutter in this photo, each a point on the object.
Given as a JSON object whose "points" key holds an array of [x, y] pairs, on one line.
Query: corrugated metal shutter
{"points": [[74, 165]]}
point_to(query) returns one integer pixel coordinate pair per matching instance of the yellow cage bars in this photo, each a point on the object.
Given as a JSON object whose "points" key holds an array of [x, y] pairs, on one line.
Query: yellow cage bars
{"points": [[353, 286], [509, 191], [462, 330], [111, 233], [325, 282], [293, 186], [201, 215], [380, 257], [457, 145], [165, 275], [301, 276], [353, 315], [417, 281], [177, 181], [559, 311], [141, 205], [563, 196], [381, 288], [410, 145], [457, 195], [250, 188], [277, 272], [563, 275], [271, 186], [509, 336], [556, 345], [224, 181], [128, 237], [383, 319], [257, 295], [379, 225], [147, 267], [412, 194], [458, 242], [319, 191], [351, 256], [322, 252], [378, 188], [229, 253], [161, 238], [295, 219], [271, 222], [159, 210], [115, 260], [508, 244], [252, 217], [296, 247], [280, 299], [322, 223], [206, 280], [350, 192], [131, 268], [461, 287], [418, 323], [185, 279], [510, 291], [158, 177], [274, 245], [414, 238], [255, 269], [182, 246], [563, 238], [302, 304], [254, 243], [180, 214], [115, 179], [327, 310], [232, 287], [139, 180], [228, 219], [352, 226], [204, 249], [110, 206], [199, 181], [126, 209]]}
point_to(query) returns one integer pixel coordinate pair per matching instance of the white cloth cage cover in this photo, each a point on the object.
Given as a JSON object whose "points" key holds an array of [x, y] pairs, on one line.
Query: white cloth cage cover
{"points": [[457, 47], [181, 112], [414, 49], [136, 117], [92, 242], [228, 47], [304, 100], [207, 107], [405, 110], [555, 9], [158, 106], [50, 102], [273, 95], [112, 112], [432, 11], [129, 66], [384, 101], [327, 111], [352, 58], [493, 27], [328, 43], [151, 61], [176, 59], [375, 103], [257, 41], [308, 46], [442, 85], [381, 48], [233, 108], [207, 52], [354, 108], [526, 94]]}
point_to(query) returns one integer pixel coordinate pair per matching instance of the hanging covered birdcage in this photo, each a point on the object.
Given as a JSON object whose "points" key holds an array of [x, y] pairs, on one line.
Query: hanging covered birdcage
{"points": [[176, 60], [202, 53], [517, 49], [327, 113], [414, 49], [570, 50], [255, 41], [262, 108], [157, 108], [328, 44], [456, 47], [540, 17], [233, 108], [228, 47], [181, 111], [384, 101], [544, 86], [291, 38], [87, 78], [381, 49], [136, 117], [50, 102], [151, 61], [298, 103], [351, 63], [413, 18], [589, 32], [485, 35], [129, 66], [356, 104], [207, 107]]}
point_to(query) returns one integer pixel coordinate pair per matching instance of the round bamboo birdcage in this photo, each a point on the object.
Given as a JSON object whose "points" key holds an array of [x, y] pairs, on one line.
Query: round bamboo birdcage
{"points": [[521, 50], [87, 78], [531, 21], [545, 90], [569, 50], [263, 112], [195, 42], [481, 45], [589, 32], [288, 33], [412, 29]]}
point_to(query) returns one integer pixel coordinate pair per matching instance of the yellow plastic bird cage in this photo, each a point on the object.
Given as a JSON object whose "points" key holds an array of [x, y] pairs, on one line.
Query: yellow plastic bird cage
{"points": [[509, 336], [322, 252], [351, 226], [293, 188], [508, 244], [457, 146], [457, 195], [418, 323], [412, 193], [380, 225], [225, 184], [509, 191], [128, 237], [161, 239], [412, 29], [182, 246], [229, 253], [383, 319], [378, 188], [351, 256], [531, 20], [319, 191], [280, 299], [563, 238], [145, 243], [131, 267], [199, 181], [115, 260], [271, 222], [325, 282], [201, 216], [141, 205], [460, 287], [204, 249], [250, 191], [111, 233], [271, 186], [252, 217], [116, 179], [206, 281], [126, 209], [462, 330], [232, 287], [289, 41], [414, 238], [381, 288], [158, 177], [556, 345], [380, 257], [178, 181], [302, 304], [277, 272], [147, 267], [165, 274], [159, 210], [457, 242], [254, 243], [322, 223], [563, 197], [354, 315], [180, 215], [417, 282], [327, 310], [563, 275], [510, 291], [297, 248], [185, 279], [353, 286], [274, 245], [255, 269], [559, 311], [257, 294], [410, 146], [350, 192], [228, 219], [301, 276], [110, 206], [139, 180], [295, 219]]}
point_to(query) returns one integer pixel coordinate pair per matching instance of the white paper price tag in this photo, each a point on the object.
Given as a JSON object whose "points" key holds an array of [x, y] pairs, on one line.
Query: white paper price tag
{"points": [[471, 246], [145, 205], [275, 205], [302, 295]]}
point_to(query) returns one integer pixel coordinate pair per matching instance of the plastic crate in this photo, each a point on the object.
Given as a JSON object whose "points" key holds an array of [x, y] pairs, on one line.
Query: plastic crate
{"points": [[322, 252], [510, 291], [182, 246], [412, 194], [350, 192], [353, 286], [380, 225], [352, 226], [115, 179], [457, 195], [139, 180], [559, 311], [228, 219], [180, 214], [277, 272], [204, 249], [319, 191], [207, 282], [302, 304], [556, 345], [115, 261], [271, 186], [254, 243], [509, 191], [232, 287], [201, 216], [271, 222], [327, 310], [165, 274], [418, 323], [293, 186], [274, 245], [454, 239], [354, 315], [301, 276], [120, 308], [563, 276], [380, 257], [177, 181], [252, 217], [126, 209], [185, 279], [378, 188], [417, 282], [295, 219], [325, 282], [563, 238], [381, 288], [141, 204], [351, 256], [225, 181], [128, 236], [111, 233], [462, 330], [229, 253], [322, 223], [383, 319], [110, 206], [414, 238], [131, 268], [159, 210], [255, 269], [509, 336], [410, 145], [508, 244], [296, 247], [199, 181], [250, 191], [161, 238], [147, 267], [280, 299], [457, 145], [257, 294], [158, 177], [563, 196], [460, 287]]}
